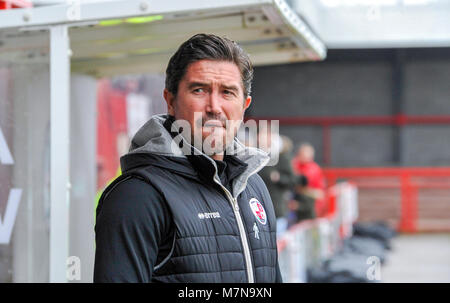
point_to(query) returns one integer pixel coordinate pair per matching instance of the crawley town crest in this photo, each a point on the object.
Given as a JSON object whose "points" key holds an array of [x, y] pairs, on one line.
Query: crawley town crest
{"points": [[258, 211]]}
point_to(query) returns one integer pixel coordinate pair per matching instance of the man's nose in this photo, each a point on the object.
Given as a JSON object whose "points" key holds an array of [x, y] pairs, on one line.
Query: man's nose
{"points": [[214, 103]]}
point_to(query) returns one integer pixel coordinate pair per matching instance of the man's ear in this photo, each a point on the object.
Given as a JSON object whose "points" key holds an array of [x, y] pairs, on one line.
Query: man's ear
{"points": [[170, 100], [247, 102]]}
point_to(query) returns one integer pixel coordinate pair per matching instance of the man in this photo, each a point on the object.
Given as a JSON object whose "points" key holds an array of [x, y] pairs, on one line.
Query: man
{"points": [[304, 164], [302, 204], [189, 206]]}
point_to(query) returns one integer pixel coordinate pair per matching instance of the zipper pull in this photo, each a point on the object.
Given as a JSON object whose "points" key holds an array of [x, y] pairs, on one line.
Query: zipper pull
{"points": [[236, 206]]}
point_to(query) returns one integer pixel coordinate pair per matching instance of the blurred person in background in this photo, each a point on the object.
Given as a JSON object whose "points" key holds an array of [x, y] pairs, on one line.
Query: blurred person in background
{"points": [[280, 178], [302, 205], [304, 165]]}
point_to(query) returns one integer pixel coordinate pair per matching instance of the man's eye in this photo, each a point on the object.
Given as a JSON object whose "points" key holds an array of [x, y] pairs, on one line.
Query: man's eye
{"points": [[198, 90], [228, 92]]}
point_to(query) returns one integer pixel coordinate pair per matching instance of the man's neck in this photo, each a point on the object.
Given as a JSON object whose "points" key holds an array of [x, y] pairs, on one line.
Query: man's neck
{"points": [[218, 157]]}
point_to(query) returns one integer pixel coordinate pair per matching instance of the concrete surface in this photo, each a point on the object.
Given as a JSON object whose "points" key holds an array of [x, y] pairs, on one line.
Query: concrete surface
{"points": [[419, 258]]}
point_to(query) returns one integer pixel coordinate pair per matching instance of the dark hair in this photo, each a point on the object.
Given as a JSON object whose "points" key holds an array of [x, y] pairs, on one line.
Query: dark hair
{"points": [[208, 47]]}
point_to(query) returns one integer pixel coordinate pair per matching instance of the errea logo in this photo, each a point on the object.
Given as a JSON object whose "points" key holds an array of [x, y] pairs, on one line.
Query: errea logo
{"points": [[213, 215]]}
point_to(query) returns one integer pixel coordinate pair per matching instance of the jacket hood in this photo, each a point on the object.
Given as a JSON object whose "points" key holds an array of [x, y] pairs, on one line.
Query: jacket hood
{"points": [[154, 145]]}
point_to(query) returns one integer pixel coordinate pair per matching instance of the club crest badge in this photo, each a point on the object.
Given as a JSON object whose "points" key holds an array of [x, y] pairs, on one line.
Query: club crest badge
{"points": [[258, 211]]}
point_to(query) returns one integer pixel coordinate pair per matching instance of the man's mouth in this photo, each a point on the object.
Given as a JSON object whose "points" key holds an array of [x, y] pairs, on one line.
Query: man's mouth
{"points": [[213, 123]]}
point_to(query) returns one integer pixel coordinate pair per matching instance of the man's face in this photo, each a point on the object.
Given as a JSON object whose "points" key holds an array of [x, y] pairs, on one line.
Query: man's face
{"points": [[213, 90], [306, 154]]}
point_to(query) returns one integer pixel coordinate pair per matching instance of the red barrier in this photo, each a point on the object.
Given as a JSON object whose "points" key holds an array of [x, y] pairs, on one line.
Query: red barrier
{"points": [[400, 119], [405, 182], [326, 122]]}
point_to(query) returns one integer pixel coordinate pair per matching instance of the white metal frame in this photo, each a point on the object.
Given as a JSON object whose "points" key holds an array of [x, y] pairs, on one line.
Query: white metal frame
{"points": [[59, 151], [58, 18], [80, 14], [80, 11]]}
